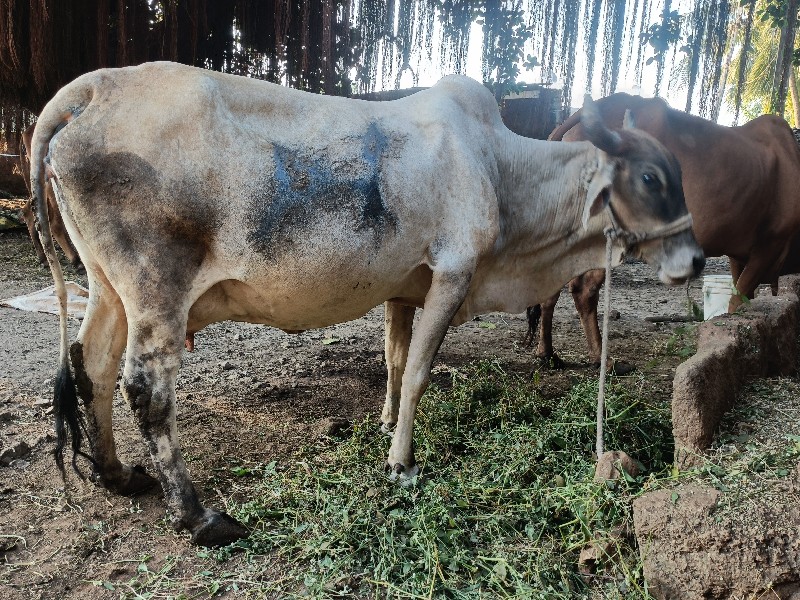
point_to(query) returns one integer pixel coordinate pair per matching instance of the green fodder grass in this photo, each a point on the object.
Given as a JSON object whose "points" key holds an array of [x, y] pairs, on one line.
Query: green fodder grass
{"points": [[503, 505], [756, 448]]}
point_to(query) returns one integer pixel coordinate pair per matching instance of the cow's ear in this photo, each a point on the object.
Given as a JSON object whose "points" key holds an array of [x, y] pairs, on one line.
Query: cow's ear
{"points": [[596, 131], [628, 122], [599, 190]]}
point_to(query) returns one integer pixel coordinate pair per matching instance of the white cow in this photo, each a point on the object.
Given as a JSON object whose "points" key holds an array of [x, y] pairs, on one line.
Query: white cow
{"points": [[194, 197]]}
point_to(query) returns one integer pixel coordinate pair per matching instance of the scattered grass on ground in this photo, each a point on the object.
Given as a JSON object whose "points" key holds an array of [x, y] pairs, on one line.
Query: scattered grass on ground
{"points": [[755, 449], [502, 508]]}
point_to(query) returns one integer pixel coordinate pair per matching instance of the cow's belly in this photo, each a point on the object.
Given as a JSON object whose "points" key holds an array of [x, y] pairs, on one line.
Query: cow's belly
{"points": [[305, 297]]}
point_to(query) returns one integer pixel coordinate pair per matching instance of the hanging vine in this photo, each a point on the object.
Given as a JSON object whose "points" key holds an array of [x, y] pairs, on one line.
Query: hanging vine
{"points": [[339, 46], [744, 55], [614, 28]]}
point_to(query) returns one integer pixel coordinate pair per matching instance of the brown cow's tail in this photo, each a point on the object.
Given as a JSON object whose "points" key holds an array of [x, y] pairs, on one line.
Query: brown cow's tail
{"points": [[68, 419], [559, 132]]}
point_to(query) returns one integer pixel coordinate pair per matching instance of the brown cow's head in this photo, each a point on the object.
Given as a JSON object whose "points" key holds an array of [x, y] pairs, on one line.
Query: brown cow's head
{"points": [[641, 187]]}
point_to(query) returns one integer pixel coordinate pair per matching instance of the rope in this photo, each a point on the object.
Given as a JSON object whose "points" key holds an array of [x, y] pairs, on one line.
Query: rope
{"points": [[601, 392], [629, 238], [11, 155]]}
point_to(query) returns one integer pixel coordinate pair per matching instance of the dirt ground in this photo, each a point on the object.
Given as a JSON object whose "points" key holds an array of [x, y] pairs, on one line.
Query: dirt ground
{"points": [[248, 394]]}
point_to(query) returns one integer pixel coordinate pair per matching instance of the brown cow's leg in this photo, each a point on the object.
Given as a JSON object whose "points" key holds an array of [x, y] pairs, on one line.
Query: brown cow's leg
{"points": [[95, 359], [545, 353], [399, 321], [27, 214], [58, 231], [758, 268], [736, 267], [585, 292], [155, 340], [446, 294]]}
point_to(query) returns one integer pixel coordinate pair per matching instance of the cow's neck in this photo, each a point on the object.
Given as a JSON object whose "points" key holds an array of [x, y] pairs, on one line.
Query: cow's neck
{"points": [[541, 192]]}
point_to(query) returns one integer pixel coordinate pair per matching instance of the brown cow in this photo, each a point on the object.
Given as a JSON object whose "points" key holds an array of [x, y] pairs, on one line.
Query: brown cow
{"points": [[741, 186], [56, 224]]}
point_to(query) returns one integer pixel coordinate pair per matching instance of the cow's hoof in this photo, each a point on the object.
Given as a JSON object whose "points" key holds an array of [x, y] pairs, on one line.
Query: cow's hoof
{"points": [[402, 474], [133, 481], [388, 429], [616, 367], [553, 361], [218, 529]]}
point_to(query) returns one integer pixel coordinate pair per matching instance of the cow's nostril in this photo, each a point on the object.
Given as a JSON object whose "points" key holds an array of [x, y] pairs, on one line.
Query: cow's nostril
{"points": [[698, 263]]}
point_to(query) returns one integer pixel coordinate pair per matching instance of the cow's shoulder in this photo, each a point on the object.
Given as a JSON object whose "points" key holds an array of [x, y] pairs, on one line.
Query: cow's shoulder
{"points": [[463, 98]]}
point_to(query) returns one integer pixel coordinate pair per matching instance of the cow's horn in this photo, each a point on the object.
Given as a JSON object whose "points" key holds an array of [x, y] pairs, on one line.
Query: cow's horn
{"points": [[596, 131]]}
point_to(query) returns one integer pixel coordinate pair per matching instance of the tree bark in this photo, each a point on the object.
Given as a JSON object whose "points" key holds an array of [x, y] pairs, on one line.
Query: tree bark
{"points": [[783, 66], [795, 98]]}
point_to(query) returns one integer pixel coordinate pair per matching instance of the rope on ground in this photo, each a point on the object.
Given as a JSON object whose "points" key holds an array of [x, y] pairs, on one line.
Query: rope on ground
{"points": [[601, 392]]}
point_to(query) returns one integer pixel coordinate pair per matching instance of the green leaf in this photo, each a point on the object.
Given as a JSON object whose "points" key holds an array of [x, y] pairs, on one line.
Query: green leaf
{"points": [[330, 340]]}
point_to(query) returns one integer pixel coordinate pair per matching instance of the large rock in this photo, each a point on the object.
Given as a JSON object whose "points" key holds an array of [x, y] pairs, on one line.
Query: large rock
{"points": [[690, 551], [759, 342], [15, 450]]}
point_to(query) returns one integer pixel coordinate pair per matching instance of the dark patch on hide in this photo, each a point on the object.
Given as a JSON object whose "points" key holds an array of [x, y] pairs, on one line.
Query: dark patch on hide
{"points": [[150, 409], [152, 414], [124, 206], [307, 188]]}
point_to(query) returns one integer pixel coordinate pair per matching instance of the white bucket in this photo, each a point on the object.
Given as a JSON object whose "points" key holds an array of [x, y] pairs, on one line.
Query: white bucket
{"points": [[717, 292]]}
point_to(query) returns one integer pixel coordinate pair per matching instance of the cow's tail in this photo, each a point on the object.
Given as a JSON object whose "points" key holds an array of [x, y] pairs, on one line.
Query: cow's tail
{"points": [[559, 132], [69, 423]]}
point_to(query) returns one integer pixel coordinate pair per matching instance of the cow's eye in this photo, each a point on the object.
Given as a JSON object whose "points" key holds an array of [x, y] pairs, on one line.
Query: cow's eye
{"points": [[652, 181]]}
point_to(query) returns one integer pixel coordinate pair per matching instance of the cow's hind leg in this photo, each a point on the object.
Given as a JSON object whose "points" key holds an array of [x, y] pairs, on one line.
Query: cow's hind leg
{"points": [[585, 292], [155, 341], [446, 294], [30, 222], [545, 353], [399, 322], [95, 358]]}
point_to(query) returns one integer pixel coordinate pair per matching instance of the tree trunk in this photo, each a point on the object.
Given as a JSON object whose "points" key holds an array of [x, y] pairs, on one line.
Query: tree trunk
{"points": [[723, 80], [795, 98], [783, 66]]}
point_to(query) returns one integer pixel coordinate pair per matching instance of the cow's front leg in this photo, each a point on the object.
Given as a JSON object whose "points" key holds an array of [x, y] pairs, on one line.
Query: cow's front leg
{"points": [[759, 267], [399, 322], [445, 296], [95, 358], [151, 367]]}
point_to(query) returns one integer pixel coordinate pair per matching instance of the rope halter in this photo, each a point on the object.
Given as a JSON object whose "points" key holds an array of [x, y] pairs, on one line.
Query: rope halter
{"points": [[631, 238]]}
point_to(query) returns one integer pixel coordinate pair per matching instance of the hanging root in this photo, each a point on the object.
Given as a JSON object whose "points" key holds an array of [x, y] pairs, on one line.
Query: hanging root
{"points": [[534, 314]]}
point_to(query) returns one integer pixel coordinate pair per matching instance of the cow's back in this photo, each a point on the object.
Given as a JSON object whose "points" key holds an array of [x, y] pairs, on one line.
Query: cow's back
{"points": [[231, 178]]}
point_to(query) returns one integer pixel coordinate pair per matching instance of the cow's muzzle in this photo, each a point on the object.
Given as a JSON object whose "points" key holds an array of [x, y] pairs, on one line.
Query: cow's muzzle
{"points": [[677, 258]]}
